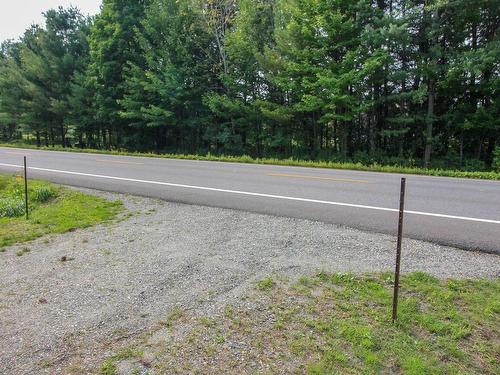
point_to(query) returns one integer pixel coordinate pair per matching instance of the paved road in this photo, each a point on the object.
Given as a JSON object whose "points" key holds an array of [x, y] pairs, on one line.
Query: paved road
{"points": [[458, 212]]}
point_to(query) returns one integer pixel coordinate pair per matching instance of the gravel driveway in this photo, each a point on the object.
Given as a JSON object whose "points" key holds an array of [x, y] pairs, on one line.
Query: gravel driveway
{"points": [[119, 279]]}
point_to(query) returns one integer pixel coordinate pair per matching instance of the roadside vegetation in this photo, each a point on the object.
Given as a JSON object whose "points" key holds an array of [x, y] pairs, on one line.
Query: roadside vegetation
{"points": [[334, 323], [53, 209], [356, 166], [402, 82]]}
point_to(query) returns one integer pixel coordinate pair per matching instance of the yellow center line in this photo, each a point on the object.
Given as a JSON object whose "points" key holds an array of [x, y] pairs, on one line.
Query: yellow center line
{"points": [[118, 162], [318, 178]]}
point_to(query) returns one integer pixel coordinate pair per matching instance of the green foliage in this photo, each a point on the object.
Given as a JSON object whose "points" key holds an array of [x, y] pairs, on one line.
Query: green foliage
{"points": [[113, 46], [43, 194], [108, 368], [11, 207], [265, 284], [53, 210], [393, 83], [37, 72], [12, 199], [496, 160]]}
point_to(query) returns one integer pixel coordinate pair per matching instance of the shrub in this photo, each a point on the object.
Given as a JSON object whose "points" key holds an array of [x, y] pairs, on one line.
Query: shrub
{"points": [[11, 207], [43, 194]]}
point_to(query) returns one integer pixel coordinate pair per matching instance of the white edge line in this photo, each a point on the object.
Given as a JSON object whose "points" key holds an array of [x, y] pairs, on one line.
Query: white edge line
{"points": [[256, 194]]}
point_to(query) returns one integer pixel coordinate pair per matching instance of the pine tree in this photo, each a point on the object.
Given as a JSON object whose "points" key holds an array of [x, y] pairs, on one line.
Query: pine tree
{"points": [[112, 46]]}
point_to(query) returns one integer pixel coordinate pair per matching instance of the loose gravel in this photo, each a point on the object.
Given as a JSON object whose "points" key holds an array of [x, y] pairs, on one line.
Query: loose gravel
{"points": [[66, 302]]}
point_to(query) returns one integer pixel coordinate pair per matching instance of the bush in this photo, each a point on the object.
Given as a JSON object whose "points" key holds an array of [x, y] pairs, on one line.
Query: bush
{"points": [[11, 207], [496, 160], [43, 194]]}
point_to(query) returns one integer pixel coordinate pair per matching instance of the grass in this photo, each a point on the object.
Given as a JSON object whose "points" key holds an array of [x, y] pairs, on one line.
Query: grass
{"points": [[172, 317], [53, 209], [108, 368], [485, 175], [341, 324], [265, 284]]}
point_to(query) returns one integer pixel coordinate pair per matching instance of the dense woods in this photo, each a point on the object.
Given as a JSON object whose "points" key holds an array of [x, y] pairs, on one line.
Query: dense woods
{"points": [[410, 82]]}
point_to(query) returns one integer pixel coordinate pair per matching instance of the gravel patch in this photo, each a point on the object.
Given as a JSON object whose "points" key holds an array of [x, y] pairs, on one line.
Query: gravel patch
{"points": [[66, 303]]}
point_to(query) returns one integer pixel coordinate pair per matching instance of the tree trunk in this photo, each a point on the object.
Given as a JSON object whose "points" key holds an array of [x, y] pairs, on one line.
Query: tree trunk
{"points": [[344, 143], [63, 135], [52, 136], [371, 135], [490, 151], [461, 148], [430, 123]]}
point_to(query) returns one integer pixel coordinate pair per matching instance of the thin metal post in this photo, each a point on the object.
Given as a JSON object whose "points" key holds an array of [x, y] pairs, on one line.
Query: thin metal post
{"points": [[26, 188], [398, 251]]}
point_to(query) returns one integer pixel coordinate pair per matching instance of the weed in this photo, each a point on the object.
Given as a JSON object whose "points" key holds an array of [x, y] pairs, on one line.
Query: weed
{"points": [[219, 339], [44, 193], [127, 353], [207, 322], [11, 207], [46, 363], [305, 281], [174, 315], [228, 311], [265, 284], [108, 368], [23, 251]]}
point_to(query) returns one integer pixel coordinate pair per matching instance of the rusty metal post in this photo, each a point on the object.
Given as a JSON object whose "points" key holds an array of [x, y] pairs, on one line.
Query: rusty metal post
{"points": [[398, 251], [26, 189]]}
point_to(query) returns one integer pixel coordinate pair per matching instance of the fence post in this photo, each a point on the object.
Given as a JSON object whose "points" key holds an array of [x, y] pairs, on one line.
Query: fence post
{"points": [[398, 251], [26, 189]]}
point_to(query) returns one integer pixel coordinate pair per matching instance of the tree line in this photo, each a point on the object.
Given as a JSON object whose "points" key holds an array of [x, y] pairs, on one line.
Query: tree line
{"points": [[412, 82]]}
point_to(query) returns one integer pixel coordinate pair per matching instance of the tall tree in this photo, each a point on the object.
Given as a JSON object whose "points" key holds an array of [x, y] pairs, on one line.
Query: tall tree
{"points": [[112, 46], [45, 63], [164, 94]]}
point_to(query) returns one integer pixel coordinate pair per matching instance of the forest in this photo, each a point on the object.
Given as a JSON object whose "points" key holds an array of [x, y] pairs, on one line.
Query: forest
{"points": [[396, 82]]}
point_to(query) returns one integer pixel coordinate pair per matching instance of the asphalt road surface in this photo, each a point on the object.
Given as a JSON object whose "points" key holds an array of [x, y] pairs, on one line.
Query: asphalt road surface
{"points": [[448, 211]]}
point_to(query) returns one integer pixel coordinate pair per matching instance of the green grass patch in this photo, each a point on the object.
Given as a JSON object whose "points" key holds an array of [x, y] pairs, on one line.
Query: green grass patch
{"points": [[374, 167], [265, 284], [108, 368], [341, 324], [53, 209]]}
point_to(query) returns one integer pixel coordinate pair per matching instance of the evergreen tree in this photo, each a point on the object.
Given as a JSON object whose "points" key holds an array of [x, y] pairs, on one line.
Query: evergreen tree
{"points": [[112, 46], [411, 82], [164, 96]]}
